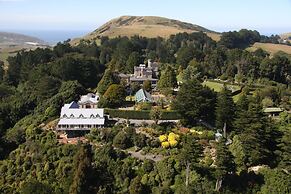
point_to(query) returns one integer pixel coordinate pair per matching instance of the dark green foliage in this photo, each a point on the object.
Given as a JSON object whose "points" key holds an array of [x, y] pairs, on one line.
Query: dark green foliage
{"points": [[36, 187], [225, 109], [285, 153], [224, 160], [168, 79], [276, 181], [195, 102], [224, 163], [147, 85], [241, 39], [131, 114], [108, 79], [49, 163], [113, 97], [77, 67], [82, 168], [255, 134], [134, 59], [122, 140]]}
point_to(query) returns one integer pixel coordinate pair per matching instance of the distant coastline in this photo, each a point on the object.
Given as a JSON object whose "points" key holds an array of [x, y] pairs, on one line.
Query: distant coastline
{"points": [[52, 37]]}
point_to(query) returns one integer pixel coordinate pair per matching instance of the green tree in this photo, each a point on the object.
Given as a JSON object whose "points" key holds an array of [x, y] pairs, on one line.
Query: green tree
{"points": [[107, 80], [224, 163], [168, 79], [156, 114], [190, 154], [147, 85], [184, 56], [82, 166], [276, 181], [195, 102], [238, 152], [285, 154], [134, 59], [36, 187], [254, 134], [225, 109], [121, 140], [113, 97], [136, 187]]}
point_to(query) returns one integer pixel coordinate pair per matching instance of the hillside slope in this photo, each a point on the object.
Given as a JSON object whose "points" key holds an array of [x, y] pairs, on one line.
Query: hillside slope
{"points": [[285, 35], [11, 43], [12, 39], [146, 26], [271, 48]]}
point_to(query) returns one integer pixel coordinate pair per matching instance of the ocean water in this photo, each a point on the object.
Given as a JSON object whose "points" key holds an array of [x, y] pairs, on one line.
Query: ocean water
{"points": [[53, 37]]}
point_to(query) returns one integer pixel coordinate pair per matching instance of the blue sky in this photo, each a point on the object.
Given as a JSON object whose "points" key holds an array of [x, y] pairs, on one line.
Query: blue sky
{"points": [[267, 16]]}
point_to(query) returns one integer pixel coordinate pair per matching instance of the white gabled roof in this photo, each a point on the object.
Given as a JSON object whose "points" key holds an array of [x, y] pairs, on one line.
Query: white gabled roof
{"points": [[82, 113], [92, 98], [71, 115]]}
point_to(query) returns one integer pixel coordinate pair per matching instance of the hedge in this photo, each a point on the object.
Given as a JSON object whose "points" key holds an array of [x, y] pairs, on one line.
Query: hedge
{"points": [[141, 114]]}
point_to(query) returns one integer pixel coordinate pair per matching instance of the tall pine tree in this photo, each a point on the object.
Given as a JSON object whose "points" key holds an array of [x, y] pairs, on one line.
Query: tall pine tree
{"points": [[254, 134], [224, 163], [190, 154], [168, 78], [107, 80], [225, 109]]}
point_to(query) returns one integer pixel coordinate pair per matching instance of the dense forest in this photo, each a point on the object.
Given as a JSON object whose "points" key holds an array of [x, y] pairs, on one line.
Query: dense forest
{"points": [[37, 83]]}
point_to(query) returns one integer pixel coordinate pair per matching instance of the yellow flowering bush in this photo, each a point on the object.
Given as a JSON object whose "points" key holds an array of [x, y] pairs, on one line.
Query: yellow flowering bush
{"points": [[169, 141], [165, 144], [173, 143], [163, 138]]}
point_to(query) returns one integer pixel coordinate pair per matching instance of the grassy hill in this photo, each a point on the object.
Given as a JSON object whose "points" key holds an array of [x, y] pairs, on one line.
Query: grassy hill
{"points": [[11, 43], [271, 48], [147, 26], [285, 35]]}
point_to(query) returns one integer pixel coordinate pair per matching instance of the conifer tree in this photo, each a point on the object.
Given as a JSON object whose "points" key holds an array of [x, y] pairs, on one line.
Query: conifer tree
{"points": [[195, 102], [168, 79], [224, 162], [285, 152], [225, 109], [190, 154], [254, 134], [107, 80]]}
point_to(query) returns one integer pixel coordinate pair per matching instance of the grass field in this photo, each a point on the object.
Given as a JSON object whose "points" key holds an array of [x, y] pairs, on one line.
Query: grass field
{"points": [[150, 31], [271, 48], [217, 87]]}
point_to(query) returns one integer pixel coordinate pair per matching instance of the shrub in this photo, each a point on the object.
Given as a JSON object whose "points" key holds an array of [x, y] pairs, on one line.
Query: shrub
{"points": [[122, 141], [163, 138], [173, 143], [144, 114], [165, 144]]}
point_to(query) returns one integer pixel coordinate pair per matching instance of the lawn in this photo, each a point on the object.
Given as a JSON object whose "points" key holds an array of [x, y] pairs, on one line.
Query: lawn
{"points": [[217, 87]]}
